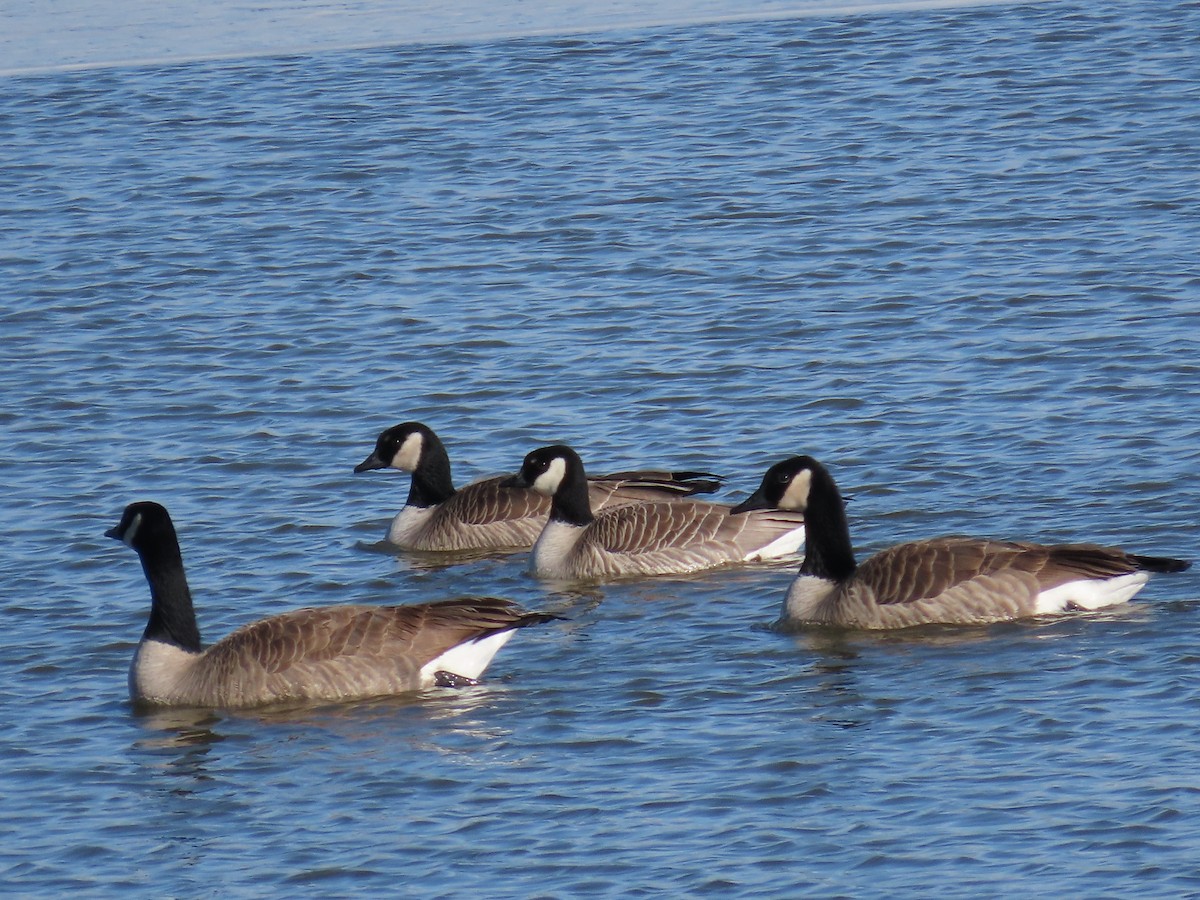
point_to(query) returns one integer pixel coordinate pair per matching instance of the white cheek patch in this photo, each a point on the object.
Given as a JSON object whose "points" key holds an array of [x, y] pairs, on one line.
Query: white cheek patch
{"points": [[796, 495], [131, 532], [409, 454], [547, 483]]}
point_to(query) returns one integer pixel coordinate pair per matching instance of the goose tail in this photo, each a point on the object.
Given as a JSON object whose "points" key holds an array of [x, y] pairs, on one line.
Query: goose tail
{"points": [[463, 663], [1161, 563], [685, 483], [523, 621]]}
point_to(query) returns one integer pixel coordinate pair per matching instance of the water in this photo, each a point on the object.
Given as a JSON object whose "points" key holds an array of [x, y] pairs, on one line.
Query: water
{"points": [[952, 253], [59, 35]]}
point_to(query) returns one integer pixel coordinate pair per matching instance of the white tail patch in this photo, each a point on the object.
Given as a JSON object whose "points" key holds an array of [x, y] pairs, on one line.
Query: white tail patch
{"points": [[787, 544], [1091, 593], [467, 659]]}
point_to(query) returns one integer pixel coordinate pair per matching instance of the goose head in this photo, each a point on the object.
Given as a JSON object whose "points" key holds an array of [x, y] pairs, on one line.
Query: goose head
{"points": [[787, 485], [399, 447], [144, 525], [804, 485], [545, 470]]}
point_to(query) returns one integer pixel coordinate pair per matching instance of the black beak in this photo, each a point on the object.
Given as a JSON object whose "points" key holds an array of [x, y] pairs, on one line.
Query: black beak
{"points": [[114, 533], [754, 501], [371, 462], [516, 482]]}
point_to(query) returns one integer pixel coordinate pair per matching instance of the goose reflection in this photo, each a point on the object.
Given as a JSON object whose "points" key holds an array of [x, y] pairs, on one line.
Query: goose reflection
{"points": [[188, 736]]}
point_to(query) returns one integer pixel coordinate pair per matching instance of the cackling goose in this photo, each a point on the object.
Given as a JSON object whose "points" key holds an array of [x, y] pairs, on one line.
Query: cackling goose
{"points": [[949, 580], [578, 543], [328, 653]]}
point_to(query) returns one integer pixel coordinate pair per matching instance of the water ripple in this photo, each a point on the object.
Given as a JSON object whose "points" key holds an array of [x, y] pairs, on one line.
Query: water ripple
{"points": [[951, 252]]}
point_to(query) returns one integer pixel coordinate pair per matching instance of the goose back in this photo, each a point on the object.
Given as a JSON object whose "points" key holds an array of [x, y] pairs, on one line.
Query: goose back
{"points": [[337, 653], [967, 581], [947, 580], [484, 515], [481, 516], [663, 539]]}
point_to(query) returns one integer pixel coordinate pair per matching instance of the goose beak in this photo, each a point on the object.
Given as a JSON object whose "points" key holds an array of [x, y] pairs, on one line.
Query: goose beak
{"points": [[371, 462], [516, 482], [114, 533], [754, 501]]}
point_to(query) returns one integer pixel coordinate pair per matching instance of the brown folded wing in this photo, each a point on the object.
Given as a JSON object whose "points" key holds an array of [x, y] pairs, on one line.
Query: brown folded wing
{"points": [[341, 652], [659, 538], [925, 570], [484, 502]]}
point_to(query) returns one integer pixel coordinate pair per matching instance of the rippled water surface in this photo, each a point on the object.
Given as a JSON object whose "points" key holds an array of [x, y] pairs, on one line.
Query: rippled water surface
{"points": [[952, 253]]}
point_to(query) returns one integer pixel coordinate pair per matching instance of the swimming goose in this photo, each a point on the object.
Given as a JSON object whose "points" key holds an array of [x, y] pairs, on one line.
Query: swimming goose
{"points": [[328, 653], [641, 538], [484, 515], [949, 580]]}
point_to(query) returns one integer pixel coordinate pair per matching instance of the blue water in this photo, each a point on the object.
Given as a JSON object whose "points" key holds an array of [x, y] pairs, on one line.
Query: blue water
{"points": [[953, 254]]}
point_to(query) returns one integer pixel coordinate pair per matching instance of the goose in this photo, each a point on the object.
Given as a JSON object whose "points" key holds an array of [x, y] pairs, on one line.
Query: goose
{"points": [[945, 580], [484, 515], [578, 543], [327, 653]]}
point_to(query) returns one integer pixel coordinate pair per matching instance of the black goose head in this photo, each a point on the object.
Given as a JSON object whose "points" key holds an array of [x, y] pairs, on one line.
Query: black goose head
{"points": [[413, 447], [147, 528], [402, 447], [804, 485], [144, 525], [557, 472], [788, 485], [546, 469]]}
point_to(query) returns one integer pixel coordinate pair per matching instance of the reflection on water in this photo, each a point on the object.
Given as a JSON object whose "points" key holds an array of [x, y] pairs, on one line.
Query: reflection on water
{"points": [[179, 743], [430, 559], [838, 640], [195, 731], [176, 727]]}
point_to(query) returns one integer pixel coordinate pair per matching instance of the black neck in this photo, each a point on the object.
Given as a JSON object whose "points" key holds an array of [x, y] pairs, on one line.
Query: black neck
{"points": [[431, 481], [172, 618], [828, 552], [571, 503]]}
